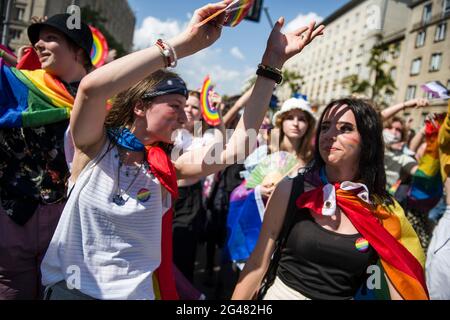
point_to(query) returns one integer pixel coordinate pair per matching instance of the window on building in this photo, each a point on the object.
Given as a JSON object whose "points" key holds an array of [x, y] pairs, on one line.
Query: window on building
{"points": [[15, 34], [446, 6], [441, 30], [426, 17], [435, 62], [360, 50], [393, 73], [357, 17], [20, 14], [410, 93], [415, 66], [448, 84], [339, 58], [358, 69], [428, 95], [349, 54], [420, 39]]}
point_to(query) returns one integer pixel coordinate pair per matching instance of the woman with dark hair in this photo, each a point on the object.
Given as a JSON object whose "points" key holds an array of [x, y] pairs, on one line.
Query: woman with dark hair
{"points": [[335, 223]]}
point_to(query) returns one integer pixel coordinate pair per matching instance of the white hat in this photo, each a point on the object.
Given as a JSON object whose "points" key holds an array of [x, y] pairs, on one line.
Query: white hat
{"points": [[292, 104]]}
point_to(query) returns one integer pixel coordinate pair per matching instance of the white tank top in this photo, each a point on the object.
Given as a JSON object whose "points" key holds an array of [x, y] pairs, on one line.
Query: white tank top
{"points": [[104, 250]]}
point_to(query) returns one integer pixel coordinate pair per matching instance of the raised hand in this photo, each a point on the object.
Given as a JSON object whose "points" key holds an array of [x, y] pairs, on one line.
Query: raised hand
{"points": [[282, 46], [200, 37], [416, 103], [35, 19]]}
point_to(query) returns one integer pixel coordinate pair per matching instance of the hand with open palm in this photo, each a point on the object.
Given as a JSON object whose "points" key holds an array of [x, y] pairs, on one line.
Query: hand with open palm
{"points": [[282, 46]]}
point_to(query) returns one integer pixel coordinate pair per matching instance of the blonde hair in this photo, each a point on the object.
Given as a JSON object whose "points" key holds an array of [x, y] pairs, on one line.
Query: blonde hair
{"points": [[305, 147], [122, 111]]}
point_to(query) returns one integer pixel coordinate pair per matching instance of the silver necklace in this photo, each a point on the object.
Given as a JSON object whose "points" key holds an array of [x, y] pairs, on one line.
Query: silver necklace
{"points": [[118, 197]]}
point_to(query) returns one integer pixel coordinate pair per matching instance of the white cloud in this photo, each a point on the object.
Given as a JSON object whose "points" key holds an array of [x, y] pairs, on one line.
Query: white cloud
{"points": [[235, 52], [303, 20], [153, 29], [193, 69]]}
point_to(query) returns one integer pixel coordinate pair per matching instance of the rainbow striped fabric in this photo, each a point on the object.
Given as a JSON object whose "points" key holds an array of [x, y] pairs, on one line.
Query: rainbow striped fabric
{"points": [[427, 188], [210, 114], [31, 98], [236, 12], [393, 239]]}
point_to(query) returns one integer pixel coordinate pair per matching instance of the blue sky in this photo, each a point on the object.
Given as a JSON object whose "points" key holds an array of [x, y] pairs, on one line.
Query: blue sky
{"points": [[235, 56]]}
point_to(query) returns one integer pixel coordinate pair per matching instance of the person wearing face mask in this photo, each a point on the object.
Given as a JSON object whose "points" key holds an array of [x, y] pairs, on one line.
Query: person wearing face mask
{"points": [[399, 161], [33, 170], [326, 227]]}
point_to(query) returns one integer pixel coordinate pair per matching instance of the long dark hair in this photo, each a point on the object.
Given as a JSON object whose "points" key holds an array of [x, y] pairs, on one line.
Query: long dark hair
{"points": [[371, 161]]}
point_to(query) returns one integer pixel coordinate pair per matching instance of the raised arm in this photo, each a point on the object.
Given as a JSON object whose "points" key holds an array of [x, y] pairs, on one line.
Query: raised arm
{"points": [[10, 59], [89, 110], [280, 47], [250, 278], [238, 105], [388, 113]]}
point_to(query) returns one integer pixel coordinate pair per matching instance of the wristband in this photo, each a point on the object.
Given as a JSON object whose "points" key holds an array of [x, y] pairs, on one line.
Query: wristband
{"points": [[270, 73]]}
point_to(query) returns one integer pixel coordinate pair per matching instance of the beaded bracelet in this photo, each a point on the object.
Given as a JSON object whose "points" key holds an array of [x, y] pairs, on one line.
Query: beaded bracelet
{"points": [[168, 52]]}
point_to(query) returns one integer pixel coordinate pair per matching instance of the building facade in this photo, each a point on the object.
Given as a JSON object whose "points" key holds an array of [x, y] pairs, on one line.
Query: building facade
{"points": [[427, 48], [418, 50], [350, 34], [120, 19]]}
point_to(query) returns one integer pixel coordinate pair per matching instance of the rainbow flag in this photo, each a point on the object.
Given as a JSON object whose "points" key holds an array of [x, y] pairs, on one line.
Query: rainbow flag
{"points": [[236, 12], [387, 231], [427, 188], [31, 98]]}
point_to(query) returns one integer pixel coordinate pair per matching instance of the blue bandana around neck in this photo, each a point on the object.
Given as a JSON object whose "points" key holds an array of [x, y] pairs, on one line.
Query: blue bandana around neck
{"points": [[124, 138], [323, 176]]}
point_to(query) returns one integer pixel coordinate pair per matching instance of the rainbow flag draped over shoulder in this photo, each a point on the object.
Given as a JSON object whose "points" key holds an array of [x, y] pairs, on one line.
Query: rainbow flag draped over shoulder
{"points": [[427, 188], [387, 232], [31, 98]]}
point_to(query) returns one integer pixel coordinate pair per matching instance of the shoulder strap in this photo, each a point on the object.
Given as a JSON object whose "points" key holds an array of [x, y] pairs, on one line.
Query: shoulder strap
{"points": [[297, 189], [269, 277]]}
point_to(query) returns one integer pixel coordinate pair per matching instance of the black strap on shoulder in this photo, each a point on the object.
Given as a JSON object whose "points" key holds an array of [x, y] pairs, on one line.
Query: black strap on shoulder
{"points": [[297, 189], [269, 277]]}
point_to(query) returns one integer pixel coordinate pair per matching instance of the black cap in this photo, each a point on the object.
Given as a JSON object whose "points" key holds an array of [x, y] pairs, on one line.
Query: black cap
{"points": [[81, 37]]}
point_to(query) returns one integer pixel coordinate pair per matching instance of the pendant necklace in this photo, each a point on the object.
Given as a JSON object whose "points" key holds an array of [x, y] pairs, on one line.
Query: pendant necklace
{"points": [[118, 197]]}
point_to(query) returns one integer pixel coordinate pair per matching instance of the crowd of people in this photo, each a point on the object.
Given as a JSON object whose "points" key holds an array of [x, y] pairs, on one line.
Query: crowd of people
{"points": [[94, 204]]}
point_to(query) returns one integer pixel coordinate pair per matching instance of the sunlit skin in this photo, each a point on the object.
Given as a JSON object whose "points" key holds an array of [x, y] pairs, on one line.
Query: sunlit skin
{"points": [[157, 122], [295, 124], [57, 57], [193, 113], [340, 142]]}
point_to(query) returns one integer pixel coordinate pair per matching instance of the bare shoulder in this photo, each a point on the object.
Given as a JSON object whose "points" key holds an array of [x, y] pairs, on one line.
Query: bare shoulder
{"points": [[277, 207]]}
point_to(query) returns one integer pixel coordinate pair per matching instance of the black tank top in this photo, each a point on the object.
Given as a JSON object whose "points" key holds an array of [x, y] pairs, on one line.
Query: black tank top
{"points": [[322, 264]]}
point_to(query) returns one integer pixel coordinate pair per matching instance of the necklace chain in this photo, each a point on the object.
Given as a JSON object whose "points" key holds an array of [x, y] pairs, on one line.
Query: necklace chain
{"points": [[118, 197]]}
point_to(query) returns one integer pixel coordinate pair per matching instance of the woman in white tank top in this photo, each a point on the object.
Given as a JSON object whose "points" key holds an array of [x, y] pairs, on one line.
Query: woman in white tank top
{"points": [[108, 241]]}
